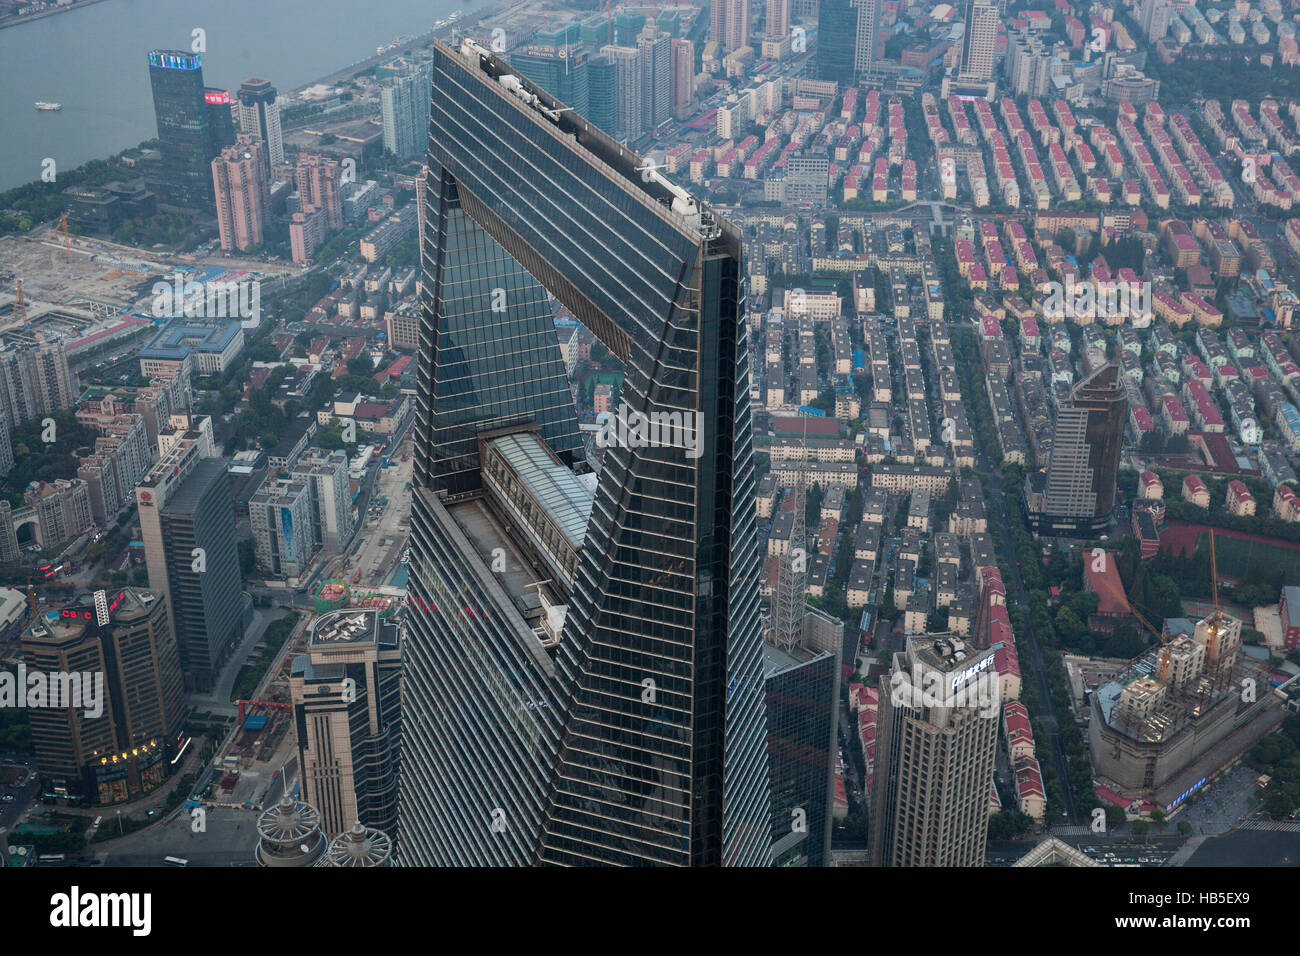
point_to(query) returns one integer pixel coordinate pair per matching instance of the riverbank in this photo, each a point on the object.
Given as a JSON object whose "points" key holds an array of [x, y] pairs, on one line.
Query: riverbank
{"points": [[352, 70], [48, 12]]}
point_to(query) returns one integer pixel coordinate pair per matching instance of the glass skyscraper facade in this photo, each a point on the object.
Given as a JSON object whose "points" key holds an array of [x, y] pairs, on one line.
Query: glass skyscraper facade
{"points": [[187, 140], [636, 734], [560, 71], [802, 694], [837, 33]]}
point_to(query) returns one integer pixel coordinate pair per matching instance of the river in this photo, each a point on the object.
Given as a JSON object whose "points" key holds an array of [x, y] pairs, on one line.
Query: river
{"points": [[93, 61]]}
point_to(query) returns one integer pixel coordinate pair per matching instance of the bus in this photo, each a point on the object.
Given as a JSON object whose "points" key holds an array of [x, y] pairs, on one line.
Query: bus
{"points": [[175, 861]]}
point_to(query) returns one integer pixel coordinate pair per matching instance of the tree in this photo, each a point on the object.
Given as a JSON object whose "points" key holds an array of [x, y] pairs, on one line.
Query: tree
{"points": [[1069, 628], [361, 365], [1125, 643], [1184, 827], [1009, 825], [1141, 828]]}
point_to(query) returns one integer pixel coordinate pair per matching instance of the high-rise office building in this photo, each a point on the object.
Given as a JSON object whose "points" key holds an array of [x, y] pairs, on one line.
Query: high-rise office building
{"points": [[120, 457], [116, 742], [280, 513], [656, 76], [560, 71], [35, 380], [221, 117], [979, 45], [602, 93], [837, 34], [1153, 17], [347, 714], [186, 138], [239, 180], [600, 700], [186, 517], [936, 743], [404, 106], [259, 115], [1078, 490], [864, 41], [6, 449], [778, 19], [319, 182], [629, 95], [683, 85], [802, 693], [325, 473], [421, 209], [729, 24]]}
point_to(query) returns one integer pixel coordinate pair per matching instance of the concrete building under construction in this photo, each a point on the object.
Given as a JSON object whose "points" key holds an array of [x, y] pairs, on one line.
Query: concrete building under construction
{"points": [[1179, 713]]}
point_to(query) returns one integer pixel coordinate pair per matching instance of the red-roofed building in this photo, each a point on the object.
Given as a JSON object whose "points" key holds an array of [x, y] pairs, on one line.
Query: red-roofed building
{"points": [[1195, 492], [1029, 788], [1150, 485], [1101, 576], [1286, 503], [1019, 734], [1239, 500]]}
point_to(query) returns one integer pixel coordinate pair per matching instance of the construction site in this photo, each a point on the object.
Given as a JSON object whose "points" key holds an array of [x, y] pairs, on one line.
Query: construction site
{"points": [[1181, 711]]}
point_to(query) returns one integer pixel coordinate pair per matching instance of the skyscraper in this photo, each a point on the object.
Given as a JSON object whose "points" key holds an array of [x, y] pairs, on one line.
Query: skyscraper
{"points": [[936, 742], [792, 574], [280, 514], [802, 693], [221, 120], [1078, 492], [260, 116], [186, 517], [325, 473], [126, 643], [1154, 18], [683, 86], [729, 24], [186, 138], [404, 106], [656, 76], [979, 45], [34, 380], [239, 180], [602, 95], [864, 43], [837, 33], [629, 96], [599, 698], [319, 188], [347, 713], [560, 71], [778, 19]]}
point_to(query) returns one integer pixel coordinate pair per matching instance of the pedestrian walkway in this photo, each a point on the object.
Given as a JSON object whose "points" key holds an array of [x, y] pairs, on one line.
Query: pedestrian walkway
{"points": [[1070, 830], [1286, 826], [1186, 851]]}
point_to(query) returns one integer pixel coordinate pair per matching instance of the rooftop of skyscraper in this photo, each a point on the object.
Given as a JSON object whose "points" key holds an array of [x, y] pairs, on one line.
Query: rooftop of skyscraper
{"points": [[185, 499]]}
